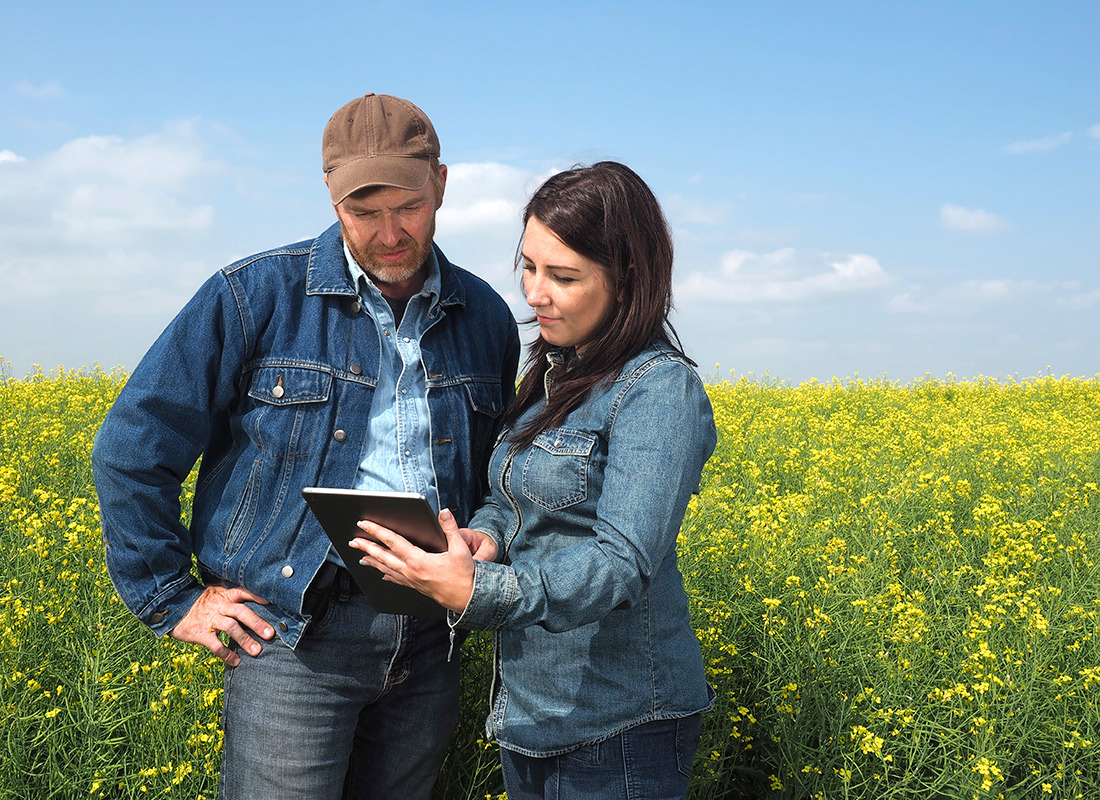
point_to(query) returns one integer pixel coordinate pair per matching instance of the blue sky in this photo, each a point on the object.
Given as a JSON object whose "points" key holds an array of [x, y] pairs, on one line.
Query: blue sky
{"points": [[881, 189]]}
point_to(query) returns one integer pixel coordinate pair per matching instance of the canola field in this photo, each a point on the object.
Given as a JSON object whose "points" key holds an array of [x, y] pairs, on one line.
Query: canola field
{"points": [[895, 588]]}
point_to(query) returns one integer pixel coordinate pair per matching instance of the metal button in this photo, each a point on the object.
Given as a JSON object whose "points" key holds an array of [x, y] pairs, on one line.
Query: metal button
{"points": [[385, 331], [356, 369], [339, 436], [288, 571], [356, 306], [278, 392], [407, 340], [283, 627], [157, 618]]}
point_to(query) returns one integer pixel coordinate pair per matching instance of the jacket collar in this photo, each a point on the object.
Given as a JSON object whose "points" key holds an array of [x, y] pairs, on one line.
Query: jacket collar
{"points": [[327, 271]]}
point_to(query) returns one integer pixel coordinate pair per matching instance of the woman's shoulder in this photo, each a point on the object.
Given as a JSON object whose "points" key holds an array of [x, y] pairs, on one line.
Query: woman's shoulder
{"points": [[658, 355]]}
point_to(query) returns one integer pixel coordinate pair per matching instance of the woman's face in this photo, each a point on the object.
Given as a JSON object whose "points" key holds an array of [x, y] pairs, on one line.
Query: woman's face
{"points": [[569, 293]]}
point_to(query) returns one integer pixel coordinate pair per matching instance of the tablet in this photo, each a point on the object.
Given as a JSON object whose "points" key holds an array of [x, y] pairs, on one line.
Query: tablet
{"points": [[406, 513]]}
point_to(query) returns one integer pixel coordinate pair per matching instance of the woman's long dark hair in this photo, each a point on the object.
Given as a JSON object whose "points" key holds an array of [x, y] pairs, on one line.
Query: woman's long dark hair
{"points": [[609, 215]]}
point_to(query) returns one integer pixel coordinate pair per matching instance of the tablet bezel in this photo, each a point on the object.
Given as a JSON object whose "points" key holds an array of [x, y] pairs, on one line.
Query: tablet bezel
{"points": [[406, 513]]}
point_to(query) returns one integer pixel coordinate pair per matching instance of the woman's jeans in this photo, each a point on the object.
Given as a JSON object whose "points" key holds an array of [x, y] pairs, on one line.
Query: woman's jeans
{"points": [[366, 698], [647, 762]]}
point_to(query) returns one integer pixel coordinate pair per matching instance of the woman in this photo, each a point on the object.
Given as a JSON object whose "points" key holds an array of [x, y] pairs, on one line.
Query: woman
{"points": [[599, 683]]}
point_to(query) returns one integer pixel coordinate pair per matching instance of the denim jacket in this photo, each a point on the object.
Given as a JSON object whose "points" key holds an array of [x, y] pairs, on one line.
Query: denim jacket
{"points": [[268, 374], [591, 628]]}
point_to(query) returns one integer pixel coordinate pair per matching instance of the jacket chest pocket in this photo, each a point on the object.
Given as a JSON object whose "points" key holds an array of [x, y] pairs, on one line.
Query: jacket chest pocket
{"points": [[555, 472], [287, 402]]}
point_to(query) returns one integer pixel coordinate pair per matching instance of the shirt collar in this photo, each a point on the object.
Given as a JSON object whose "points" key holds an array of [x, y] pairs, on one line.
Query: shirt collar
{"points": [[432, 284]]}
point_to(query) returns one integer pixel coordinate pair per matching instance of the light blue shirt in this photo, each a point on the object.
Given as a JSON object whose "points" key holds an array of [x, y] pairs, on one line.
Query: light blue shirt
{"points": [[397, 449]]}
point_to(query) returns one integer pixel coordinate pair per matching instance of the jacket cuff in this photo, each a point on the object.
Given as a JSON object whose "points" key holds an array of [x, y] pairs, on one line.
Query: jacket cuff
{"points": [[494, 595], [164, 613]]}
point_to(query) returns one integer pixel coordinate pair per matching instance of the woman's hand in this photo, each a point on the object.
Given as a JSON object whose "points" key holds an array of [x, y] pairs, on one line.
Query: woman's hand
{"points": [[447, 577]]}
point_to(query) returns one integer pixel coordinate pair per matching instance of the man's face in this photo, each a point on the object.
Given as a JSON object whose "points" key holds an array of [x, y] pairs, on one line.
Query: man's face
{"points": [[389, 232]]}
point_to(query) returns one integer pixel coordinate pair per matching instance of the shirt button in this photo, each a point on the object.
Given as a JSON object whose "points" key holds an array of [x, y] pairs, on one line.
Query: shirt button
{"points": [[356, 369], [278, 392], [407, 340], [339, 436], [404, 391], [288, 571], [283, 627], [408, 453], [385, 331]]}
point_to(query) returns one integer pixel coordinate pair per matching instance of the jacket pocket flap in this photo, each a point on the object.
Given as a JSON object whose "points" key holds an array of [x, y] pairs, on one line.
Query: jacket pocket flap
{"points": [[563, 442], [282, 385], [485, 398]]}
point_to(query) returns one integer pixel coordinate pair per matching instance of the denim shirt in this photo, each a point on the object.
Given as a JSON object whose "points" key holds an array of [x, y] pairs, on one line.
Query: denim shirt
{"points": [[269, 373], [399, 413], [591, 628]]}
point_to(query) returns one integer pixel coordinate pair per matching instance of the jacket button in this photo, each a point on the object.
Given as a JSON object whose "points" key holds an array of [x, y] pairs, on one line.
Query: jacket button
{"points": [[283, 627], [356, 369], [156, 619], [278, 392], [339, 436], [288, 571]]}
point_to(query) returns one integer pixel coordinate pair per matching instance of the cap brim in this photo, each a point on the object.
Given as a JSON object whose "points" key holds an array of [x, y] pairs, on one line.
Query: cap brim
{"points": [[403, 172]]}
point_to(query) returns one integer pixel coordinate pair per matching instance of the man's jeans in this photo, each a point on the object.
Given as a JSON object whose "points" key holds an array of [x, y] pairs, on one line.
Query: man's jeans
{"points": [[648, 762], [365, 697]]}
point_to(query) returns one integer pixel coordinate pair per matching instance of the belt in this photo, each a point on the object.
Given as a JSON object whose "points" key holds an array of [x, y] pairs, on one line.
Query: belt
{"points": [[331, 581]]}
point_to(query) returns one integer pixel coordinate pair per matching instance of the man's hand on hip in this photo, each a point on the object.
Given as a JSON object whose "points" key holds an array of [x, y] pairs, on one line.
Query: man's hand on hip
{"points": [[220, 609]]}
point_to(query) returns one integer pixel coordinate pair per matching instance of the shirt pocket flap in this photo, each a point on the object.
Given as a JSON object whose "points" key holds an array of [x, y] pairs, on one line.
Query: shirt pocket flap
{"points": [[565, 443], [287, 385]]}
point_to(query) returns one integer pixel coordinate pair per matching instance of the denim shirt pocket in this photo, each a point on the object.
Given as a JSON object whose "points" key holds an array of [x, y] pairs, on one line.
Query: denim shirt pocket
{"points": [[555, 472]]}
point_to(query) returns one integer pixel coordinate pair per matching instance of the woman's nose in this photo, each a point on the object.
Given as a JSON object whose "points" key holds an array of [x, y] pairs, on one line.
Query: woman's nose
{"points": [[533, 289]]}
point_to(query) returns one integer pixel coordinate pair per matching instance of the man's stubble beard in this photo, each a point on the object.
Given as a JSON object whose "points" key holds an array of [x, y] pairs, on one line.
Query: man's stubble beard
{"points": [[391, 272]]}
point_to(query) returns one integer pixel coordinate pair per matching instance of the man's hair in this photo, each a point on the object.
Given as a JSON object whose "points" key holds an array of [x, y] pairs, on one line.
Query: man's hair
{"points": [[606, 213]]}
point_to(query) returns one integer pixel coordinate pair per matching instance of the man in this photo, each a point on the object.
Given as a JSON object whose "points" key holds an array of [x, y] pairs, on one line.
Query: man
{"points": [[361, 358]]}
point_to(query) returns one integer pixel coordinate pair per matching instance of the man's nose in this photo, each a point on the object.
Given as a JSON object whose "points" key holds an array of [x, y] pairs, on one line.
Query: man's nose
{"points": [[390, 231]]}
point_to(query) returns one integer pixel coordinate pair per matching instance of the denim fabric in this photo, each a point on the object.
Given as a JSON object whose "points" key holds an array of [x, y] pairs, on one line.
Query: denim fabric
{"points": [[592, 632], [399, 413], [648, 762], [365, 697], [268, 373]]}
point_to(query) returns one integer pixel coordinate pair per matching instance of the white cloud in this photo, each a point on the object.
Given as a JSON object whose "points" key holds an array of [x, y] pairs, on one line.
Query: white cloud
{"points": [[39, 91], [1094, 131], [965, 298], [1051, 142], [783, 276], [88, 216], [693, 211], [1081, 301], [957, 218], [8, 157], [483, 196]]}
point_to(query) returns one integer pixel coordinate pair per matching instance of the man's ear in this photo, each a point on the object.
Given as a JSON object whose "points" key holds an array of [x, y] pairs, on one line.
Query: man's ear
{"points": [[442, 184]]}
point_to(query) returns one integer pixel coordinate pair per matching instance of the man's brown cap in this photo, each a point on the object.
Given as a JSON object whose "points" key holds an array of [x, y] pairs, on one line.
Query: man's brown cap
{"points": [[377, 140]]}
